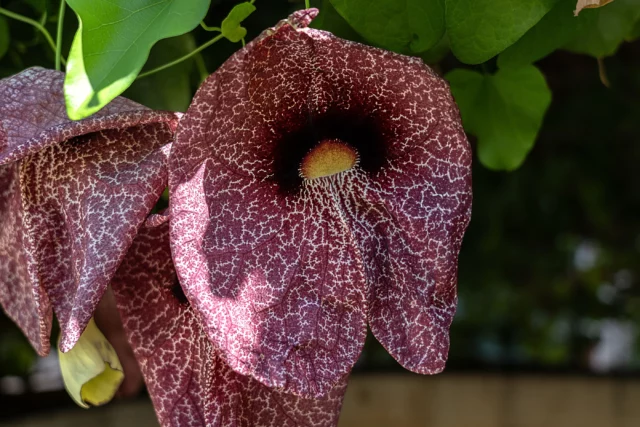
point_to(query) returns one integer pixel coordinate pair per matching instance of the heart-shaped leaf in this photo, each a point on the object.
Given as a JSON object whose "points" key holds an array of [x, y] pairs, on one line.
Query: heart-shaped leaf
{"points": [[406, 26], [504, 111], [113, 43], [231, 27], [480, 29]]}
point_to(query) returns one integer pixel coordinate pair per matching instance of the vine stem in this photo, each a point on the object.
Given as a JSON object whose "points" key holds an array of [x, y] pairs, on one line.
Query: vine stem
{"points": [[63, 5], [208, 28], [182, 58], [33, 23]]}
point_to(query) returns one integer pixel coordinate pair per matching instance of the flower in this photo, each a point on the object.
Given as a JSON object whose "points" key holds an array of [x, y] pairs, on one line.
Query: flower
{"points": [[72, 196], [188, 380], [319, 185], [91, 370]]}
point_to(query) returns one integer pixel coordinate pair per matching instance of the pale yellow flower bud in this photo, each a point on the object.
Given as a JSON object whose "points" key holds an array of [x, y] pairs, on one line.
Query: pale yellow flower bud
{"points": [[91, 370]]}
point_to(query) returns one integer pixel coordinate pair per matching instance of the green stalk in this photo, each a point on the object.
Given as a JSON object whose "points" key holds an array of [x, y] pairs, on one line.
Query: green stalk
{"points": [[59, 34], [208, 28], [183, 58]]}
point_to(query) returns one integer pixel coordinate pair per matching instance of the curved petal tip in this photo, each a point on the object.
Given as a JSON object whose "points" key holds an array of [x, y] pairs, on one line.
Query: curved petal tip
{"points": [[302, 18]]}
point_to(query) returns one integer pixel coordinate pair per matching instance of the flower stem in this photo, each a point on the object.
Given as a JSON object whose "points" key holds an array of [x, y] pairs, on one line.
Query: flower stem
{"points": [[36, 24], [602, 72], [306, 4], [185, 57], [202, 68], [63, 4]]}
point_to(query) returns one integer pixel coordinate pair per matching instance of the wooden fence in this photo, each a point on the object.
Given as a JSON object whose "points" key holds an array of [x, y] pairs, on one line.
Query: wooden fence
{"points": [[447, 400]]}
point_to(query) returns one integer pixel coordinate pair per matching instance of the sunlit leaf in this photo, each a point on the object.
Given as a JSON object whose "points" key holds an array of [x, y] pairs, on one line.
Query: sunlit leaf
{"points": [[480, 29], [231, 27], [408, 26], [113, 43], [504, 111], [602, 30]]}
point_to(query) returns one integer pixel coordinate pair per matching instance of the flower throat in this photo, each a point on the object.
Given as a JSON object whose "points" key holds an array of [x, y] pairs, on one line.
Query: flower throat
{"points": [[327, 145]]}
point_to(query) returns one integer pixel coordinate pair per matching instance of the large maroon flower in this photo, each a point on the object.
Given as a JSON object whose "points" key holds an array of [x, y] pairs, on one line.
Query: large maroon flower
{"points": [[72, 196], [317, 185], [190, 384]]}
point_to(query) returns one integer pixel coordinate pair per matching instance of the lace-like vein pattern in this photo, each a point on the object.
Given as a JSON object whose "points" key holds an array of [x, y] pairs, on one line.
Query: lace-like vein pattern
{"points": [[72, 196], [287, 272], [189, 381]]}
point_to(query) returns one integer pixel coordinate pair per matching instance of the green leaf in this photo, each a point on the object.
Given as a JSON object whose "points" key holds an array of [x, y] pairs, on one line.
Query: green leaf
{"points": [[406, 26], [330, 20], [231, 28], [4, 37], [553, 31], [153, 91], [113, 43], [505, 111], [480, 29], [602, 30]]}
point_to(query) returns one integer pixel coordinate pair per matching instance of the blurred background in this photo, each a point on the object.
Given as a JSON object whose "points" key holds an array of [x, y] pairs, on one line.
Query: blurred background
{"points": [[546, 331]]}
